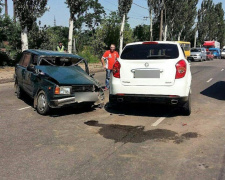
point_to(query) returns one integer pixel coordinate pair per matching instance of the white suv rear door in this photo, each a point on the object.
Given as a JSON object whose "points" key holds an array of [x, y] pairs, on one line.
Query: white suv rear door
{"points": [[149, 64]]}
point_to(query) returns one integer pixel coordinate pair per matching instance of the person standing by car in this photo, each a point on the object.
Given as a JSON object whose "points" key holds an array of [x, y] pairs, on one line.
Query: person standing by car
{"points": [[108, 60], [60, 47]]}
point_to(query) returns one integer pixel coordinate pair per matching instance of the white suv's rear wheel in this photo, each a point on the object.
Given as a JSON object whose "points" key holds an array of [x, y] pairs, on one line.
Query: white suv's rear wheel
{"points": [[187, 107]]}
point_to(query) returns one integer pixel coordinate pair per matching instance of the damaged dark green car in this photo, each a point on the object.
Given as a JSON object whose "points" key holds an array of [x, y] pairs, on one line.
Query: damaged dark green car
{"points": [[55, 79]]}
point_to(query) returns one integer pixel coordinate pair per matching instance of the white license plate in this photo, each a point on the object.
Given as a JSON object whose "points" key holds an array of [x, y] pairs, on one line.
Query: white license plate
{"points": [[147, 73]]}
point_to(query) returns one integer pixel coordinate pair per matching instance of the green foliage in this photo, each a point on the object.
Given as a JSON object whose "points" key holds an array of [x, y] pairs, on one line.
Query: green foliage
{"points": [[211, 22], [141, 32], [38, 37], [88, 53], [55, 35], [28, 11], [124, 7]]}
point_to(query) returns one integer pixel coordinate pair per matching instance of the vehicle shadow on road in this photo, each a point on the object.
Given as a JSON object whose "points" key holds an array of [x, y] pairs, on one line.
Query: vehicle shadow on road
{"points": [[148, 110], [216, 91], [70, 110], [138, 134]]}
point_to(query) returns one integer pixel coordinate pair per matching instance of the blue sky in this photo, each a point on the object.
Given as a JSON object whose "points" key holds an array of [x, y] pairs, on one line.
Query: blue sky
{"points": [[59, 9]]}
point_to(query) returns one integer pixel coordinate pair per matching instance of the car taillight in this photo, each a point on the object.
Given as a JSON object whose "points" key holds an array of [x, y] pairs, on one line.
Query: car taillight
{"points": [[181, 68], [116, 69]]}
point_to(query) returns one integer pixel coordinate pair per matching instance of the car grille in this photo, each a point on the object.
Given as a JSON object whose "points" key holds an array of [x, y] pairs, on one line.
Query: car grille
{"points": [[83, 88]]}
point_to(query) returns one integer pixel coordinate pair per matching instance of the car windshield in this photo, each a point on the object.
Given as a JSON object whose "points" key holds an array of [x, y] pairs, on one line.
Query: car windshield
{"points": [[223, 50], [150, 51], [58, 61], [195, 50]]}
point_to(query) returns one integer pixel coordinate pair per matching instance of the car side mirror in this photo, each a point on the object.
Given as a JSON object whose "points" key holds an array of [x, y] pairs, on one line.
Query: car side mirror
{"points": [[31, 68]]}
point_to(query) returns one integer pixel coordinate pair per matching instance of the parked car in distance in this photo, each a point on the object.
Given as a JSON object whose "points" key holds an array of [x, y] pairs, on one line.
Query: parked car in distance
{"points": [[152, 72], [198, 54], [210, 56], [216, 52], [55, 79], [223, 53]]}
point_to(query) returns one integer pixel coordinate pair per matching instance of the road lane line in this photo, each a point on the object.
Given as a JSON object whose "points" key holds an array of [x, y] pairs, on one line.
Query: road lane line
{"points": [[209, 80], [158, 121], [222, 69], [24, 108]]}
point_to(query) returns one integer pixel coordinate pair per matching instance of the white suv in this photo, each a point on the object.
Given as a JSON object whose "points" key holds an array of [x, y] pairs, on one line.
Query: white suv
{"points": [[153, 72]]}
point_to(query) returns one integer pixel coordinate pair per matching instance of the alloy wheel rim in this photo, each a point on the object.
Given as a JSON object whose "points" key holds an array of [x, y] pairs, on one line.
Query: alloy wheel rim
{"points": [[41, 102]]}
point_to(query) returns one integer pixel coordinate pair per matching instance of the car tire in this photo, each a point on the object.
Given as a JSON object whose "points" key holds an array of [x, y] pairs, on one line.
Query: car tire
{"points": [[19, 91], [42, 103], [187, 107]]}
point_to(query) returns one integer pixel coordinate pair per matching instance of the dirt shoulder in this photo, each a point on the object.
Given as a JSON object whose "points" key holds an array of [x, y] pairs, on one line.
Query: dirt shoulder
{"points": [[7, 73]]}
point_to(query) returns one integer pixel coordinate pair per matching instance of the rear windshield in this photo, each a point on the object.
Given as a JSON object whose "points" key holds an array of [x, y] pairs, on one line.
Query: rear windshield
{"points": [[150, 51], [195, 50]]}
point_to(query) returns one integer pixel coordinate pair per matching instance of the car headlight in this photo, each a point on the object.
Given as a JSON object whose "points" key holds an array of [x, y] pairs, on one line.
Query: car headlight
{"points": [[62, 90]]}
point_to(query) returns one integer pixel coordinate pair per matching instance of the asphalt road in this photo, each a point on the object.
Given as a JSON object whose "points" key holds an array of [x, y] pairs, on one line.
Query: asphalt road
{"points": [[135, 142]]}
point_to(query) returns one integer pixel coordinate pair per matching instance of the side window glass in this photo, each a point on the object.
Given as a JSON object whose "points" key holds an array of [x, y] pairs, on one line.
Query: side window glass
{"points": [[34, 60], [26, 60]]}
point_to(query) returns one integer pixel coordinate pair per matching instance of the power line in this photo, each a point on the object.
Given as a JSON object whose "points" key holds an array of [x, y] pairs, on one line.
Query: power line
{"points": [[140, 6]]}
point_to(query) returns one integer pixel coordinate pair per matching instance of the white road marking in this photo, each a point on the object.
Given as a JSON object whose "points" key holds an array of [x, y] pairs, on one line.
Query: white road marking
{"points": [[158, 121], [24, 108], [209, 80], [222, 69]]}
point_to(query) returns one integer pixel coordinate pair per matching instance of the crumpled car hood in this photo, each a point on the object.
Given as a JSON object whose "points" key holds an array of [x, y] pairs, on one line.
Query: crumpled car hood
{"points": [[67, 75]]}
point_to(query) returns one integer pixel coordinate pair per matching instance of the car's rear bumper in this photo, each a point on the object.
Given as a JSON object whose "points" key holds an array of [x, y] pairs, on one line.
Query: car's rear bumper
{"points": [[81, 97], [155, 99]]}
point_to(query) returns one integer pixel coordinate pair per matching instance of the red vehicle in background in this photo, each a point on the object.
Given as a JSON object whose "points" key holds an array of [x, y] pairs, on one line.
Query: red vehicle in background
{"points": [[211, 44], [209, 56]]}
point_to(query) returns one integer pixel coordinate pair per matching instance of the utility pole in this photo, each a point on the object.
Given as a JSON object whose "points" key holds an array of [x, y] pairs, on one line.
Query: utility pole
{"points": [[14, 11], [150, 14], [54, 22], [161, 21], [195, 42], [6, 7]]}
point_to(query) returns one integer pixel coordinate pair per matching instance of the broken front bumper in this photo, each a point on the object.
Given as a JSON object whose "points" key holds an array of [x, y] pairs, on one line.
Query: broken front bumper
{"points": [[80, 97]]}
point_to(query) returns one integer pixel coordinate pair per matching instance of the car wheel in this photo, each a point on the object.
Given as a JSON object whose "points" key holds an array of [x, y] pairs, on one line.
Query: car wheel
{"points": [[187, 107], [19, 91], [42, 103]]}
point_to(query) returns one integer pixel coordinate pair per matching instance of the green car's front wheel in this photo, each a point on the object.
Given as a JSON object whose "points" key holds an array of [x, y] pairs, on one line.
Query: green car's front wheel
{"points": [[42, 103]]}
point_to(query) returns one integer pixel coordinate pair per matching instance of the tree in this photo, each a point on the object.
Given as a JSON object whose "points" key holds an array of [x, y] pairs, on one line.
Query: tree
{"points": [[6, 7], [220, 26], [124, 8], [151, 5], [141, 33], [77, 8], [206, 21], [88, 12], [27, 12]]}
